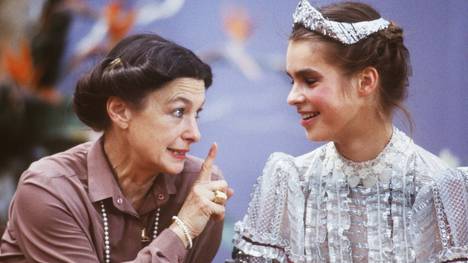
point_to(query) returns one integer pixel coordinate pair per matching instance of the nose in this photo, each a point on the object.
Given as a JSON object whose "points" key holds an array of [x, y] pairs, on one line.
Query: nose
{"points": [[295, 96], [192, 133]]}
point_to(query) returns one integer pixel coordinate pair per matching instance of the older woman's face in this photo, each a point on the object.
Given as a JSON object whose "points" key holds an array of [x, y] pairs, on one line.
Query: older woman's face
{"points": [[161, 133]]}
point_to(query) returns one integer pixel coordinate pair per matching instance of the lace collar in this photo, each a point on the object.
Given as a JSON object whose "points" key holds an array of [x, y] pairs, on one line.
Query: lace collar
{"points": [[368, 173]]}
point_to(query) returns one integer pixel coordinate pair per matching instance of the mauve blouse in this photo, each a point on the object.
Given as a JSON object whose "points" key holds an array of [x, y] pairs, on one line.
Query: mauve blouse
{"points": [[55, 214]]}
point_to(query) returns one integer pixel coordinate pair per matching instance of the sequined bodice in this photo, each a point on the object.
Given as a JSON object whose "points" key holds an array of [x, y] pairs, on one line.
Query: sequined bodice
{"points": [[320, 207]]}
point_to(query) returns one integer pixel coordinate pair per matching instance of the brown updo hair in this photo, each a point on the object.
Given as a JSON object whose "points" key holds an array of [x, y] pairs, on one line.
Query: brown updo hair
{"points": [[383, 50], [136, 66]]}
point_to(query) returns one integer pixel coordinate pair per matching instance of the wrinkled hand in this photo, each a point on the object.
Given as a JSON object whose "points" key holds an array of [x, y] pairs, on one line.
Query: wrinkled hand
{"points": [[199, 206]]}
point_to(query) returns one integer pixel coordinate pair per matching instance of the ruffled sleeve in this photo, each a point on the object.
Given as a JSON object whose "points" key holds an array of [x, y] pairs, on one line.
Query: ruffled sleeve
{"points": [[441, 218], [265, 231]]}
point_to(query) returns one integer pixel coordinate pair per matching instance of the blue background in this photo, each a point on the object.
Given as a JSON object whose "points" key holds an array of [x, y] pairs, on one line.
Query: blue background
{"points": [[249, 119]]}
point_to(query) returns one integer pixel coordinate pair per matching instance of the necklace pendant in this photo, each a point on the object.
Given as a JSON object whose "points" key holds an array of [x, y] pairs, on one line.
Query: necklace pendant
{"points": [[144, 236]]}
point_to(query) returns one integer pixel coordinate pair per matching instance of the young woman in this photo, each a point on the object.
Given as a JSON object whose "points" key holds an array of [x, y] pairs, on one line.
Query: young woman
{"points": [[370, 194]]}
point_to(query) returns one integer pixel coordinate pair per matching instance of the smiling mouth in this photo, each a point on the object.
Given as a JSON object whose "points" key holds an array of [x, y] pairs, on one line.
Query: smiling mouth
{"points": [[179, 154], [308, 116]]}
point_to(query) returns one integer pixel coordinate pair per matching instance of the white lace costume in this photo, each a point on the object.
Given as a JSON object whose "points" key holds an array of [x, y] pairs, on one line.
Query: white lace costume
{"points": [[403, 206]]}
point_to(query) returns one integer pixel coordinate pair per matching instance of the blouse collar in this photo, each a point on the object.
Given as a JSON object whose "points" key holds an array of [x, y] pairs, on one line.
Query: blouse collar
{"points": [[368, 173], [103, 185]]}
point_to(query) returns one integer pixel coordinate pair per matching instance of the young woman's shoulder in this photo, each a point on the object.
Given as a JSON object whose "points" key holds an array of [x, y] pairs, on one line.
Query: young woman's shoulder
{"points": [[430, 160], [428, 166], [285, 161], [278, 168], [318, 154]]}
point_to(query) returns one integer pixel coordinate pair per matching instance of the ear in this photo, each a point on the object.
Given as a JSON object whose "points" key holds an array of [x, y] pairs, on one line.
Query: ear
{"points": [[368, 81], [119, 112]]}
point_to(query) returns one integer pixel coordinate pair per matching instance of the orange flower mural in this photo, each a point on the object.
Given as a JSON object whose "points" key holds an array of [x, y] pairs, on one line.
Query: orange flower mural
{"points": [[19, 65], [119, 21], [238, 24]]}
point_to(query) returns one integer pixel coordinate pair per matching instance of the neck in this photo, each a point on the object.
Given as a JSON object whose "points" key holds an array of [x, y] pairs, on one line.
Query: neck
{"points": [[134, 179], [366, 142]]}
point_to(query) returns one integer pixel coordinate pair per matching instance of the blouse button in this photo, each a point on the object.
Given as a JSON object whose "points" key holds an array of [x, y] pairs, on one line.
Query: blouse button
{"points": [[160, 196], [119, 201]]}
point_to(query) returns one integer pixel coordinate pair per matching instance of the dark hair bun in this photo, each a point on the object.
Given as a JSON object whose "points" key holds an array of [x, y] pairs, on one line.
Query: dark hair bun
{"points": [[136, 66]]}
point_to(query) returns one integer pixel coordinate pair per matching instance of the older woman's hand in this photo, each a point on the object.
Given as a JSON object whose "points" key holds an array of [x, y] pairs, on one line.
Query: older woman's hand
{"points": [[202, 202]]}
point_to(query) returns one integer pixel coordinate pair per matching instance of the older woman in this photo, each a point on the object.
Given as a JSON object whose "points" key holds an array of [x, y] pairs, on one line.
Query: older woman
{"points": [[135, 194]]}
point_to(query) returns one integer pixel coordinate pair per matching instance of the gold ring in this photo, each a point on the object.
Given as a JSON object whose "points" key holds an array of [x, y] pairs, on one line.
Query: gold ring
{"points": [[219, 197]]}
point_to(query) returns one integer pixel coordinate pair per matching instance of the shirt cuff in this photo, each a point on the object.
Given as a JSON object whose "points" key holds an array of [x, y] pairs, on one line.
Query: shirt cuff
{"points": [[171, 245]]}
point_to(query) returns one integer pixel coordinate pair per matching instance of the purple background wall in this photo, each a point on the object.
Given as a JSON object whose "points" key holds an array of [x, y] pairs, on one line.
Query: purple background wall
{"points": [[250, 118]]}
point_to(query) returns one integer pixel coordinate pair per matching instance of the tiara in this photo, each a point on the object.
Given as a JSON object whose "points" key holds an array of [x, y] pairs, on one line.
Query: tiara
{"points": [[346, 33]]}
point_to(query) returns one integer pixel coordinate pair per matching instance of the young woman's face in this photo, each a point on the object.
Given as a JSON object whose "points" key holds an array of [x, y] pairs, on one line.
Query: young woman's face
{"points": [[325, 99], [161, 133]]}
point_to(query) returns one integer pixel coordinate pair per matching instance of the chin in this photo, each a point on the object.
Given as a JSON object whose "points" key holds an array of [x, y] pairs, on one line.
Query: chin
{"points": [[317, 136], [177, 168]]}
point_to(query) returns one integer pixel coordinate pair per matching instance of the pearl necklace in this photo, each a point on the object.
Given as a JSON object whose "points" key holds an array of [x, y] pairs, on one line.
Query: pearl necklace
{"points": [[106, 231]]}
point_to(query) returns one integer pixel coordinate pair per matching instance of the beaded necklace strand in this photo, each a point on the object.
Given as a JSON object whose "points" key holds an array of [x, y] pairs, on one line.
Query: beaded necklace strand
{"points": [[107, 251]]}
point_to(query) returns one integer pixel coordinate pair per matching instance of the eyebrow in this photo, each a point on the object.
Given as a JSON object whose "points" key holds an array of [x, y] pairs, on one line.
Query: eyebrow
{"points": [[185, 100], [180, 98], [303, 72]]}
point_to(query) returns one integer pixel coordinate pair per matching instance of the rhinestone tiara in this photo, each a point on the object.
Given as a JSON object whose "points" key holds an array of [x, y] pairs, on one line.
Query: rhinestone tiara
{"points": [[346, 33]]}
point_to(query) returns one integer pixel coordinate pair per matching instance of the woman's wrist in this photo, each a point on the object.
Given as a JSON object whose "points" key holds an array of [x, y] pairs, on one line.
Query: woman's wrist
{"points": [[180, 229], [179, 233]]}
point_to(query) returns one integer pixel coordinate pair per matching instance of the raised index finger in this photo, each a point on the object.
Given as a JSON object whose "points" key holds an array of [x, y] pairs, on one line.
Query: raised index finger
{"points": [[205, 171]]}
